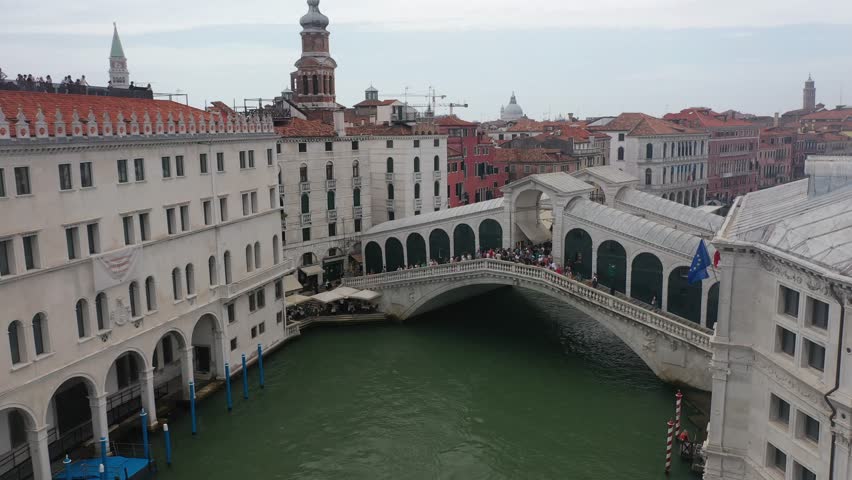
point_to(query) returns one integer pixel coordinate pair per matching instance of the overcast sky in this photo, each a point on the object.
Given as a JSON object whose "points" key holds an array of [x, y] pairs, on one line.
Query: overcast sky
{"points": [[560, 56]]}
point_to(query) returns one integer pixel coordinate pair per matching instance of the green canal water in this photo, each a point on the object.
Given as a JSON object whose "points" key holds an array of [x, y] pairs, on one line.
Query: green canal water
{"points": [[508, 385]]}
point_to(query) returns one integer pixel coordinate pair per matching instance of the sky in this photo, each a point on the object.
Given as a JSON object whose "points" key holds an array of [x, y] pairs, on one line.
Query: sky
{"points": [[559, 56]]}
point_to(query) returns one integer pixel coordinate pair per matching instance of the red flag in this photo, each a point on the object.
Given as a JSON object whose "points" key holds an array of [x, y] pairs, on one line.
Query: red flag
{"points": [[716, 258]]}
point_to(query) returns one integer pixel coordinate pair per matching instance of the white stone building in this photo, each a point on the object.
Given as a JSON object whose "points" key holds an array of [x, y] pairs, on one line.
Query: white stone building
{"points": [[782, 384], [140, 250], [669, 160]]}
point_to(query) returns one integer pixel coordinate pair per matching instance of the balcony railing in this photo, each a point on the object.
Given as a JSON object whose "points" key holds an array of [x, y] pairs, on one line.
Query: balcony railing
{"points": [[358, 212], [389, 204], [332, 216], [304, 187], [437, 202], [418, 203], [389, 177], [437, 174], [330, 184], [356, 182], [281, 190], [418, 176], [306, 219]]}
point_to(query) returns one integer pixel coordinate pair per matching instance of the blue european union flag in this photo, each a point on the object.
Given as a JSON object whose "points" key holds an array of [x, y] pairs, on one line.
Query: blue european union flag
{"points": [[700, 262]]}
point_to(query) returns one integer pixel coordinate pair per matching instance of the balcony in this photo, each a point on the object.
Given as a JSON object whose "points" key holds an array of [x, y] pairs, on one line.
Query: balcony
{"points": [[332, 216], [389, 177], [358, 212], [356, 182], [418, 176], [330, 184], [437, 202], [437, 174], [306, 219], [418, 203], [389, 203], [304, 187]]}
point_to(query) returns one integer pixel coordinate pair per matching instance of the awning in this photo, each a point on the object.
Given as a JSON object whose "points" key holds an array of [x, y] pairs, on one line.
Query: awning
{"points": [[366, 295], [346, 292], [357, 257], [311, 270], [327, 297], [296, 300], [291, 284]]}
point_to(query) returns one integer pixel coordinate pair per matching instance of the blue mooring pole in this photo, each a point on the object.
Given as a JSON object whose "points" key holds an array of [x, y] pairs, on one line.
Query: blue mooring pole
{"points": [[103, 453], [67, 464], [228, 387], [168, 444], [144, 417], [192, 406], [245, 378], [260, 363]]}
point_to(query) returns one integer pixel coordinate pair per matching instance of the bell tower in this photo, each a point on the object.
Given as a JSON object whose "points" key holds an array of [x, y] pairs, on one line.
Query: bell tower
{"points": [[313, 82], [119, 76], [809, 96]]}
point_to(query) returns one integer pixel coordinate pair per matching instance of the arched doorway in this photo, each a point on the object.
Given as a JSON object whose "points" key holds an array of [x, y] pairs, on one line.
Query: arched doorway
{"points": [[394, 256], [17, 459], [72, 414], [373, 258], [170, 370], [684, 299], [415, 245], [464, 240], [527, 215], [578, 252], [713, 305], [490, 234], [646, 279], [207, 356], [612, 265], [125, 387], [439, 246]]}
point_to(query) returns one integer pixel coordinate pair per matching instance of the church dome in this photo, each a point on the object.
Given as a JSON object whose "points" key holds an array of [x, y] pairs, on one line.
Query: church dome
{"points": [[314, 19], [512, 111]]}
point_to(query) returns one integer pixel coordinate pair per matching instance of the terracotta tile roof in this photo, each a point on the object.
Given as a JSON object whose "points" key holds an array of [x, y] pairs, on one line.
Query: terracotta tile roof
{"points": [[453, 121], [30, 104], [375, 103], [840, 114], [640, 124], [704, 118], [526, 125], [305, 128], [531, 155]]}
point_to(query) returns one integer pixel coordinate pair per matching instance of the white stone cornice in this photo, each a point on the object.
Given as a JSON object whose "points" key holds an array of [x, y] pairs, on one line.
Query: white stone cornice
{"points": [[66, 145]]}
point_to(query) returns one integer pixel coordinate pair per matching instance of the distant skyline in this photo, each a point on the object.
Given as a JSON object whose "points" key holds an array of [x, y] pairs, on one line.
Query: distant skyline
{"points": [[561, 57]]}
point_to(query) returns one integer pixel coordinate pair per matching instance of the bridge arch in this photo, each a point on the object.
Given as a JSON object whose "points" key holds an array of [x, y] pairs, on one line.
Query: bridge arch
{"points": [[612, 265], [415, 246], [684, 299], [646, 278], [373, 257], [464, 240], [439, 246], [578, 251], [394, 254], [490, 234]]}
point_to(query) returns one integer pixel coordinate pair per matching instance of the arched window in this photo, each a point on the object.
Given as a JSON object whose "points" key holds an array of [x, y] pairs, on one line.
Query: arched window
{"points": [[665, 149], [133, 290], [356, 169], [40, 333], [150, 294], [316, 84], [16, 342], [390, 165], [249, 258], [190, 279], [437, 166], [177, 287], [390, 191], [437, 189], [257, 253], [276, 255], [416, 164], [306, 203], [329, 171], [303, 173], [102, 311], [416, 190], [82, 312], [702, 147], [621, 153], [227, 263], [330, 198], [664, 175], [304, 85], [648, 175], [702, 171], [649, 150], [211, 271], [356, 197]]}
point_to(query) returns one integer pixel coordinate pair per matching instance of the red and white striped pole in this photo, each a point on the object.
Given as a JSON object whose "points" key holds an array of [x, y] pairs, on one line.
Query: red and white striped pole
{"points": [[669, 441], [678, 400]]}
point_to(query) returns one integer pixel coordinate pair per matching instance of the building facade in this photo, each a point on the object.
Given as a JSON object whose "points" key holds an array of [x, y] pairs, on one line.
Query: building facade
{"points": [[775, 157], [473, 172], [154, 228]]}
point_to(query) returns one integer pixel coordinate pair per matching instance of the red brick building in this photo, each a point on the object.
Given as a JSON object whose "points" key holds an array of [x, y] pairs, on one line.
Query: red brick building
{"points": [[733, 150], [529, 161], [474, 173], [775, 157]]}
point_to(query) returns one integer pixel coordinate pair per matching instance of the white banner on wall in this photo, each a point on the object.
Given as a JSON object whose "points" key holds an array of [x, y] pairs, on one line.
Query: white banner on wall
{"points": [[114, 268]]}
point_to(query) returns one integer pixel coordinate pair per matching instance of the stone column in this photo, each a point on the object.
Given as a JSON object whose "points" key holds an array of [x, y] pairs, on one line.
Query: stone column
{"points": [[218, 355], [404, 255], [705, 292], [557, 237], [595, 260], [149, 403], [628, 273], [39, 454], [100, 425], [187, 370], [664, 295], [428, 247]]}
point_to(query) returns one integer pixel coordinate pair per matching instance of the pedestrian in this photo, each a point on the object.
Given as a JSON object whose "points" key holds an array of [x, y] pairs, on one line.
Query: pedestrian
{"points": [[594, 280], [654, 301]]}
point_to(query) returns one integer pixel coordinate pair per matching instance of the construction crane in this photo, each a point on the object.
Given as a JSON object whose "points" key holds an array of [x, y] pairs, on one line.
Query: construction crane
{"points": [[431, 97]]}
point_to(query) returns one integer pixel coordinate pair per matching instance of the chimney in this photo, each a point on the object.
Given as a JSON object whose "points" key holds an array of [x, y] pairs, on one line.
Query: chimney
{"points": [[776, 120], [339, 123]]}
